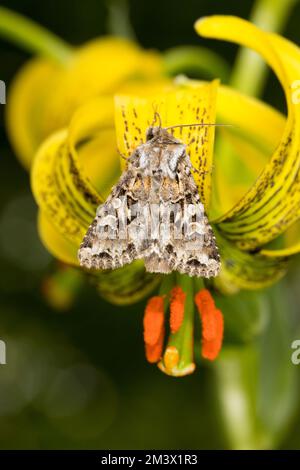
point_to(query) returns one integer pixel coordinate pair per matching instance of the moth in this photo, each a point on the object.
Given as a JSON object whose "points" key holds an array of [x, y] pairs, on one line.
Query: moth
{"points": [[154, 213]]}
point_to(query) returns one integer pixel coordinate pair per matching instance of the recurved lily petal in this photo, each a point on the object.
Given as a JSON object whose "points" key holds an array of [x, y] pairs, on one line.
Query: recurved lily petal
{"points": [[273, 202], [126, 285], [64, 196], [253, 137], [254, 132], [60, 183], [44, 95], [238, 162], [175, 105], [60, 247], [283, 252], [28, 96], [244, 270], [99, 68], [290, 244]]}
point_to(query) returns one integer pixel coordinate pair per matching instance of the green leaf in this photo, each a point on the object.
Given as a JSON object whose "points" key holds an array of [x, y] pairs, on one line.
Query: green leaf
{"points": [[33, 37], [256, 384], [277, 398]]}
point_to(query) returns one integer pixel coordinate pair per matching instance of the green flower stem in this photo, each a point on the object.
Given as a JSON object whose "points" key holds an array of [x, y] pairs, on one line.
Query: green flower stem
{"points": [[183, 339], [196, 61], [118, 23], [167, 284], [32, 37], [250, 71], [236, 374], [198, 284]]}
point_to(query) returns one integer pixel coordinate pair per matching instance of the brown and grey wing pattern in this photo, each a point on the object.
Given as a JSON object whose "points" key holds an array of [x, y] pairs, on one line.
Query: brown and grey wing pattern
{"points": [[158, 218], [200, 255], [101, 248], [189, 246]]}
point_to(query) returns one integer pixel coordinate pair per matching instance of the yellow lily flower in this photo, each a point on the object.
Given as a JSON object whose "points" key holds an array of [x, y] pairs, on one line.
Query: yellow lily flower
{"points": [[75, 168], [45, 94]]}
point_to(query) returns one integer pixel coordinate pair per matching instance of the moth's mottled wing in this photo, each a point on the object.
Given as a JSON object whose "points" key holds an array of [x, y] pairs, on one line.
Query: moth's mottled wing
{"points": [[110, 242], [190, 245], [148, 215]]}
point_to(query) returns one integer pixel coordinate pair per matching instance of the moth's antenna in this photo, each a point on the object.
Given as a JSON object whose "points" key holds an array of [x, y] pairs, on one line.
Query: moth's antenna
{"points": [[156, 118], [198, 124], [156, 115]]}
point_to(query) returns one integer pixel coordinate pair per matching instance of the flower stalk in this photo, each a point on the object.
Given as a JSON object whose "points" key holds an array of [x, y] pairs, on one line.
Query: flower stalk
{"points": [[179, 353], [195, 61], [118, 23], [33, 37]]}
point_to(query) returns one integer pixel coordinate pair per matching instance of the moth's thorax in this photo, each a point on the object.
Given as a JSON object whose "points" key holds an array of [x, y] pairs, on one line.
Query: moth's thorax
{"points": [[160, 154]]}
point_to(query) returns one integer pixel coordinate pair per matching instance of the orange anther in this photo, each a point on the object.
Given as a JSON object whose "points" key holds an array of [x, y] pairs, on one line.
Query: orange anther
{"points": [[154, 352], [212, 324], [153, 320], [176, 308]]}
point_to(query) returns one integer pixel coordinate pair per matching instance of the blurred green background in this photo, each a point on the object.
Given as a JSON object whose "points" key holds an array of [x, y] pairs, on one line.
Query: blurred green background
{"points": [[77, 378]]}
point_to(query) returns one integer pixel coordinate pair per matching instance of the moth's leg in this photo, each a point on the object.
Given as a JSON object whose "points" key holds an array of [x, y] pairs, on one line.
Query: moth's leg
{"points": [[193, 168], [122, 155], [133, 159]]}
